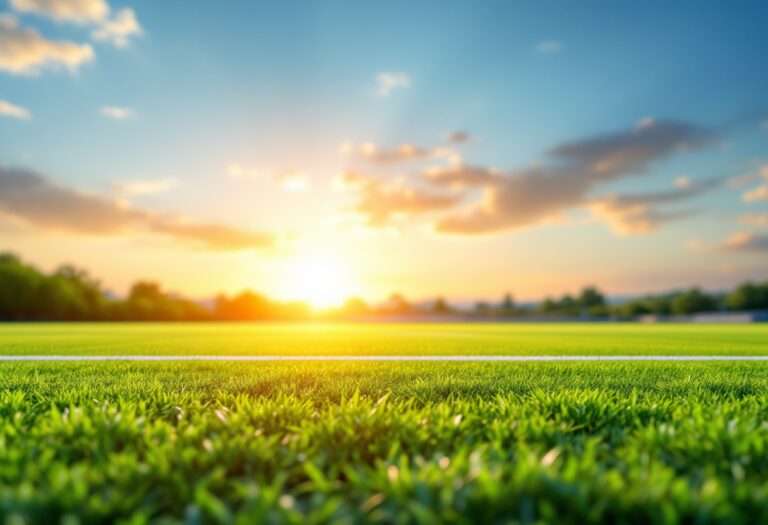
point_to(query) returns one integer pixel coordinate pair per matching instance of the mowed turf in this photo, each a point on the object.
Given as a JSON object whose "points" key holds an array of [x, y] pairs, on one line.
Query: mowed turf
{"points": [[382, 339], [372, 442]]}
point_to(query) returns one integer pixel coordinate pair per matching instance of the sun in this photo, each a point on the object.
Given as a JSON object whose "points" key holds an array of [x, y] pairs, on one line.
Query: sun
{"points": [[321, 280]]}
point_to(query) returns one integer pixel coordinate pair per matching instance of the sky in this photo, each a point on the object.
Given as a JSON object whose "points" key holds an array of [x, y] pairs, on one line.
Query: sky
{"points": [[317, 150]]}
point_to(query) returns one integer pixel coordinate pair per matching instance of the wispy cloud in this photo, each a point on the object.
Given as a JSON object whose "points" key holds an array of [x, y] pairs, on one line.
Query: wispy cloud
{"points": [[289, 180], [459, 176], [23, 51], [215, 237], [76, 11], [757, 194], [530, 195], [634, 219], [370, 152], [387, 82], [117, 113], [294, 181], [547, 47], [757, 220], [11, 110], [640, 213], [136, 188], [242, 171], [458, 137], [746, 242], [34, 200]]}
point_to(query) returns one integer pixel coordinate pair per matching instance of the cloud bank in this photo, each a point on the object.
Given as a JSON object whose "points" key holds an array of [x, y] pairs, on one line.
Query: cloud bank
{"points": [[573, 172], [526, 196], [31, 198]]}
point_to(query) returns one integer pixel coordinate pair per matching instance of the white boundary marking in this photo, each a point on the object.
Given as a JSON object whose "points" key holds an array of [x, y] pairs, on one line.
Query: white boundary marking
{"points": [[460, 358]]}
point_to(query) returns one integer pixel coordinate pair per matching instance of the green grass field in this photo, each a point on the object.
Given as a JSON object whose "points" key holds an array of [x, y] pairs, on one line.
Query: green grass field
{"points": [[382, 339], [360, 442]]}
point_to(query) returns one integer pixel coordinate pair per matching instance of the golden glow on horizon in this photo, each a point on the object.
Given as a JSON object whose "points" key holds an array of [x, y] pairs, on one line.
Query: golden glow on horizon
{"points": [[322, 280]]}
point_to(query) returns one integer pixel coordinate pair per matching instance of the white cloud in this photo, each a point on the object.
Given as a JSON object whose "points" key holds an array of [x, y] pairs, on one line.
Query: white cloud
{"points": [[115, 28], [118, 29], [682, 182], [695, 244], [745, 242], [754, 219], [293, 181], [23, 51], [370, 152], [758, 194], [379, 201], [135, 188], [289, 180], [11, 110], [241, 171], [547, 47], [386, 83], [759, 173], [117, 113], [76, 11]]}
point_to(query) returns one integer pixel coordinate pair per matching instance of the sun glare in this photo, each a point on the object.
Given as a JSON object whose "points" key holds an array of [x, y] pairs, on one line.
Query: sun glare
{"points": [[322, 281]]}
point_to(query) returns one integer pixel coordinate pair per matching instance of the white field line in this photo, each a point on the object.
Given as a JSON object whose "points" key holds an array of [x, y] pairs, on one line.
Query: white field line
{"points": [[460, 358]]}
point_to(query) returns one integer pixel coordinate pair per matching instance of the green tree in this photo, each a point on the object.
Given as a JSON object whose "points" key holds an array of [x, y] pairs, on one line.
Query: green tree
{"points": [[482, 308], [19, 288], [693, 301], [548, 305], [245, 306], [507, 304], [591, 297], [440, 306], [568, 305], [354, 306], [88, 288], [396, 305], [748, 296], [59, 299]]}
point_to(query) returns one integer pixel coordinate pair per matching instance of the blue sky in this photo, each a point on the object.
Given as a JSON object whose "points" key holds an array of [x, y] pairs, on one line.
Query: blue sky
{"points": [[231, 118]]}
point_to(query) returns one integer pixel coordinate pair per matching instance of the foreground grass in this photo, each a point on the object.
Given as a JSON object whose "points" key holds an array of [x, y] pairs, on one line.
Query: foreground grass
{"points": [[381, 339], [382, 442]]}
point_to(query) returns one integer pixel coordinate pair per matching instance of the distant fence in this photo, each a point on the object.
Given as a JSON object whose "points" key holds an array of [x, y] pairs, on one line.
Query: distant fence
{"points": [[705, 317], [708, 317]]}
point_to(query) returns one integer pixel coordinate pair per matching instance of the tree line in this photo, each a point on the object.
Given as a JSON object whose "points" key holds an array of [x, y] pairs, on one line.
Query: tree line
{"points": [[72, 294]]}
